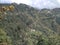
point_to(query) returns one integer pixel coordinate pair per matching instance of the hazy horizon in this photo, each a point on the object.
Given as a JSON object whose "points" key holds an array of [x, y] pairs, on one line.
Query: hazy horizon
{"points": [[36, 3]]}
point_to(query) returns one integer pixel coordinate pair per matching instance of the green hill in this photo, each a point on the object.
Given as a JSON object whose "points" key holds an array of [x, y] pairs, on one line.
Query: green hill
{"points": [[29, 26]]}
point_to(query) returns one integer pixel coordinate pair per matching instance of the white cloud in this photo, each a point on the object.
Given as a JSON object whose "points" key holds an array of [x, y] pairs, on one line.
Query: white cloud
{"points": [[43, 4], [37, 3], [5, 1], [22, 1], [48, 4], [58, 1]]}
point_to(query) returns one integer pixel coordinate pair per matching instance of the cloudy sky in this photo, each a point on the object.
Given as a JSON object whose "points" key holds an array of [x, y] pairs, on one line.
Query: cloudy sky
{"points": [[36, 3]]}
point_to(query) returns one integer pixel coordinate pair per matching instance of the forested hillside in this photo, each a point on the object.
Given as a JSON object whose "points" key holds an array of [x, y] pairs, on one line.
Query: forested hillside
{"points": [[24, 25]]}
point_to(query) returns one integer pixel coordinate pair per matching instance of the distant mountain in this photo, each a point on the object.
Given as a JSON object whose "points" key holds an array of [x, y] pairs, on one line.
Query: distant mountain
{"points": [[29, 26]]}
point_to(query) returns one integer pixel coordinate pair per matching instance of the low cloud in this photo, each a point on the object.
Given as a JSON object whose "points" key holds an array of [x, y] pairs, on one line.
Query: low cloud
{"points": [[36, 3], [5, 1], [46, 3]]}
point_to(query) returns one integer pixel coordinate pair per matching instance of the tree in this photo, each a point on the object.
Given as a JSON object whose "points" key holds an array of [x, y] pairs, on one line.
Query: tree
{"points": [[4, 39], [11, 8], [42, 40]]}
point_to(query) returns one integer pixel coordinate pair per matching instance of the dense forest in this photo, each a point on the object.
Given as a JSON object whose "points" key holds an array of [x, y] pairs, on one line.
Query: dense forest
{"points": [[25, 25]]}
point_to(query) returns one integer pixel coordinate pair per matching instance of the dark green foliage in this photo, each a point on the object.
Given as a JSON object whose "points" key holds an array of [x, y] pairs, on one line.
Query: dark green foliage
{"points": [[29, 26], [58, 20], [4, 39]]}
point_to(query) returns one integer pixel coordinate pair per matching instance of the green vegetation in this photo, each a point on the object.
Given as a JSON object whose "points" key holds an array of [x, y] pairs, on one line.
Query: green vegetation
{"points": [[26, 25], [4, 39]]}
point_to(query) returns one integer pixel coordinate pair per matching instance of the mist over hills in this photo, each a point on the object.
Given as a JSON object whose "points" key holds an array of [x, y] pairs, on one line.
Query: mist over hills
{"points": [[27, 25], [36, 3]]}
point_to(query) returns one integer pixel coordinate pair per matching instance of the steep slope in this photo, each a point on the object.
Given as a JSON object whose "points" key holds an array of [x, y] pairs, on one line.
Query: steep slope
{"points": [[26, 25]]}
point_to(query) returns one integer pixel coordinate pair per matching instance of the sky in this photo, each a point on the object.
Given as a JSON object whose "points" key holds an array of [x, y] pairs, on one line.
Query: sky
{"points": [[36, 3]]}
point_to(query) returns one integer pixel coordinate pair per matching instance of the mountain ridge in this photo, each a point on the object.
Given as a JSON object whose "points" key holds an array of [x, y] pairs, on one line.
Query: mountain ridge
{"points": [[28, 26]]}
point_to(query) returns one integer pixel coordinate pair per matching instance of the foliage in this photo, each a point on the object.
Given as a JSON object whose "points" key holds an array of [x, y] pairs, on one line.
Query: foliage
{"points": [[4, 39], [29, 26]]}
